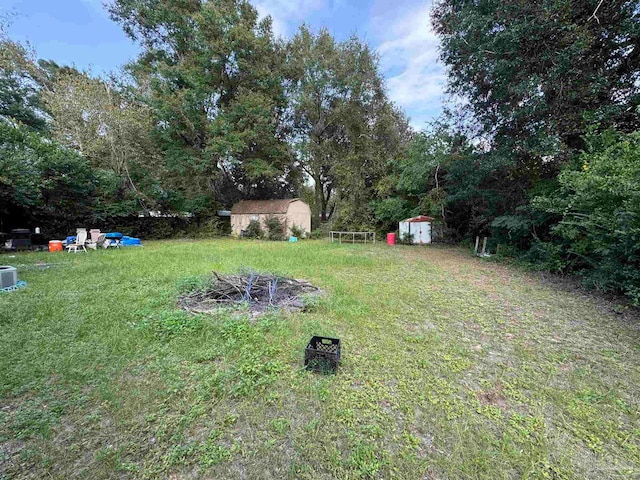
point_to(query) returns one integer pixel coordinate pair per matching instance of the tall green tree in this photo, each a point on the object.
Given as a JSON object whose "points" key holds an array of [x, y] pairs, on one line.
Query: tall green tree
{"points": [[426, 180], [42, 182], [538, 73], [109, 126], [552, 88], [536, 76], [345, 128], [20, 84], [214, 82]]}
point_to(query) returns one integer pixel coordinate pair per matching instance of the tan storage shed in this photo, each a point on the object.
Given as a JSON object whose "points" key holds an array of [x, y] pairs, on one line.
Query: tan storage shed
{"points": [[292, 211]]}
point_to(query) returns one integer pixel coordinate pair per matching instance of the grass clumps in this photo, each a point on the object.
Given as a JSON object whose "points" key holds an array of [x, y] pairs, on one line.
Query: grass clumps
{"points": [[166, 324]]}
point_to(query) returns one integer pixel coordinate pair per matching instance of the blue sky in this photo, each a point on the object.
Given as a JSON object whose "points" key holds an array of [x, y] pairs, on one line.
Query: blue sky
{"points": [[79, 32]]}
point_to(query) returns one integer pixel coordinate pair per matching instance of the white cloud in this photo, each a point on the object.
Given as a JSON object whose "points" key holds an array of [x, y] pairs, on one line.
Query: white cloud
{"points": [[287, 14], [409, 57]]}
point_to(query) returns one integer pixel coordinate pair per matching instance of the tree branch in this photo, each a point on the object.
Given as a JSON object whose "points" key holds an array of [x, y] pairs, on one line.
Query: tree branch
{"points": [[593, 15]]}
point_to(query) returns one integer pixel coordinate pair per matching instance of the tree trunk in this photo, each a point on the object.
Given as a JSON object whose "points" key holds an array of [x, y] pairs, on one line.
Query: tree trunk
{"points": [[323, 209], [319, 203]]}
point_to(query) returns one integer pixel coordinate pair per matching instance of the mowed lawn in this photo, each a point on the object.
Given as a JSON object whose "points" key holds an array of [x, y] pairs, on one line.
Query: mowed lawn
{"points": [[453, 367]]}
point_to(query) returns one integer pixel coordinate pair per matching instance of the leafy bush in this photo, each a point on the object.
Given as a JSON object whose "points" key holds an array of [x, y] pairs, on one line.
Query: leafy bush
{"points": [[317, 234], [598, 203], [254, 229], [275, 228], [545, 256], [210, 228], [298, 231], [162, 229], [406, 238]]}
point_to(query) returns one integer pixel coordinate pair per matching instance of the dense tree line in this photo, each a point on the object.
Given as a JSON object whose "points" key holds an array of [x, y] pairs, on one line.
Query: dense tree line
{"points": [[540, 151], [215, 109]]}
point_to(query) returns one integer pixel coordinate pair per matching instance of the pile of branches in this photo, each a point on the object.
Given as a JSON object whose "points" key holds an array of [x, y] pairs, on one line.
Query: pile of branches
{"points": [[257, 290]]}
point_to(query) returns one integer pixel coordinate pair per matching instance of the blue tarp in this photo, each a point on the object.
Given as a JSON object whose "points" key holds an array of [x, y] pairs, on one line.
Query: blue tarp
{"points": [[130, 241]]}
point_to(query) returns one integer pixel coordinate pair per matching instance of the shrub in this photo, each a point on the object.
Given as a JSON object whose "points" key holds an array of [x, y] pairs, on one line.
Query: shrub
{"points": [[210, 228], [317, 234], [406, 238], [275, 228], [297, 231], [546, 256], [598, 204], [254, 229], [162, 229]]}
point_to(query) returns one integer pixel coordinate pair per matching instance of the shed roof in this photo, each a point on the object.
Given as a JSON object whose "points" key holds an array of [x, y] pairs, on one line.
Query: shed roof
{"points": [[418, 219], [244, 207]]}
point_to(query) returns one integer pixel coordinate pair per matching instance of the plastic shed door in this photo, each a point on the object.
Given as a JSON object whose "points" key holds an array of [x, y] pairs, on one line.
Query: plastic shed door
{"points": [[421, 231]]}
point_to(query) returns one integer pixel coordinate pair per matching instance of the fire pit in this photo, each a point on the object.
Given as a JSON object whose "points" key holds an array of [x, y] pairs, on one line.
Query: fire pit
{"points": [[257, 291]]}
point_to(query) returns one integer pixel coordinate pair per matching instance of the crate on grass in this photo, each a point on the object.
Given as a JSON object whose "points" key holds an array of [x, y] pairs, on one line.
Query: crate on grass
{"points": [[322, 354]]}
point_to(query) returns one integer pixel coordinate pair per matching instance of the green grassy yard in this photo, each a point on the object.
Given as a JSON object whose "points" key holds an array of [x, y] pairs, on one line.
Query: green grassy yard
{"points": [[453, 367]]}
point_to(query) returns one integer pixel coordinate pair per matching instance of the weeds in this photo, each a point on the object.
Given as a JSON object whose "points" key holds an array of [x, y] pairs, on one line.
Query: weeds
{"points": [[166, 324]]}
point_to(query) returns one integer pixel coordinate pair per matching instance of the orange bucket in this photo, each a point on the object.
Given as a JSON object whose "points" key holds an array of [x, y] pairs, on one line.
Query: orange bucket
{"points": [[55, 246]]}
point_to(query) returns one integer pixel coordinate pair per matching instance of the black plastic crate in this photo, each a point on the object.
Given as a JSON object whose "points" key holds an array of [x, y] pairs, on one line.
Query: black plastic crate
{"points": [[322, 354]]}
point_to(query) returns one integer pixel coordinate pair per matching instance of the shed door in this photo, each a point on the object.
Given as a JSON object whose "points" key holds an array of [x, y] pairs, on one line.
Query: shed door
{"points": [[422, 232], [404, 228]]}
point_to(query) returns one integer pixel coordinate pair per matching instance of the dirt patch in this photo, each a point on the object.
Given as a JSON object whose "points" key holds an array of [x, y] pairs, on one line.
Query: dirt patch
{"points": [[258, 291], [493, 397], [419, 327], [9, 452]]}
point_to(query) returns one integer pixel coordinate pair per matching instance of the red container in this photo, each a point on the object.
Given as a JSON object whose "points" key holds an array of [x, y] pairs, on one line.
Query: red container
{"points": [[391, 238], [55, 246]]}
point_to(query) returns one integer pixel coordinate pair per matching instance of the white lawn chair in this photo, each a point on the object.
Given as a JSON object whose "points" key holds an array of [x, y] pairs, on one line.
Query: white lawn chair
{"points": [[81, 239], [99, 242]]}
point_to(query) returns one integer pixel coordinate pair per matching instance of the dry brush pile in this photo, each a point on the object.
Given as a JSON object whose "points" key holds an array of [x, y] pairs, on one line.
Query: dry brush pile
{"points": [[258, 291]]}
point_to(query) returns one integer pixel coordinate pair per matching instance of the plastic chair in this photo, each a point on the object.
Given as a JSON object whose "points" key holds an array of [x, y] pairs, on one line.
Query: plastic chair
{"points": [[98, 243], [81, 239]]}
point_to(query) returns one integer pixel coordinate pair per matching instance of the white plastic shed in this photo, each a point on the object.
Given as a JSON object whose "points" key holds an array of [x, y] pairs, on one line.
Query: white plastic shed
{"points": [[419, 227]]}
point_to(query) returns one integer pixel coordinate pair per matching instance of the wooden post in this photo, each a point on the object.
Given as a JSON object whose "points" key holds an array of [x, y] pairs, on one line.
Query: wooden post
{"points": [[477, 245], [484, 246]]}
